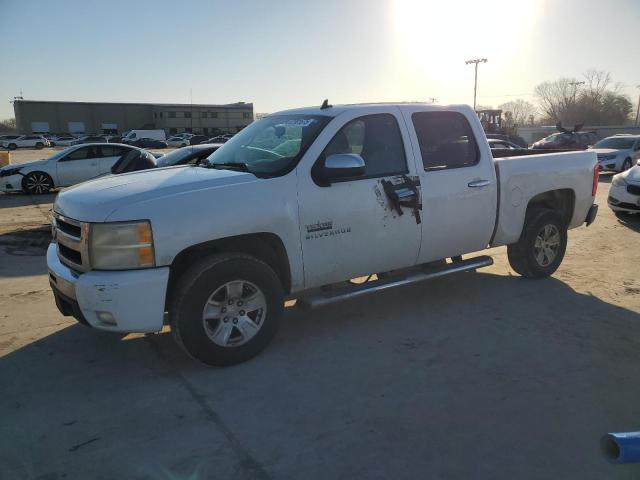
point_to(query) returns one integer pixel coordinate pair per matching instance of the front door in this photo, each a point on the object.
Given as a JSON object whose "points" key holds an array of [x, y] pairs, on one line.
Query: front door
{"points": [[458, 181], [78, 166], [349, 228]]}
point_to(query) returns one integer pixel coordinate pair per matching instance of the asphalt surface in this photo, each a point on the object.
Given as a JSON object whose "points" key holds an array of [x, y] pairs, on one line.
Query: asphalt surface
{"points": [[474, 376]]}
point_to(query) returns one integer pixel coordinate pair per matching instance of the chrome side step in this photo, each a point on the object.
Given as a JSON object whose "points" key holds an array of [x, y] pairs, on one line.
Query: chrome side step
{"points": [[337, 295]]}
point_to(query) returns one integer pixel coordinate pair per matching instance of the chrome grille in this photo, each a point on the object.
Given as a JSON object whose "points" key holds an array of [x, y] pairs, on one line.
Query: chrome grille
{"points": [[71, 237]]}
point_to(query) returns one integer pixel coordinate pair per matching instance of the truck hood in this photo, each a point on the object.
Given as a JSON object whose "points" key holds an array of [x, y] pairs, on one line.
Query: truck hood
{"points": [[96, 200]]}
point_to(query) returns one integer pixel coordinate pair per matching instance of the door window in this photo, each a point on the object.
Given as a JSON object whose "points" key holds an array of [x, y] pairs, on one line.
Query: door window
{"points": [[446, 140], [377, 139], [110, 151], [79, 154]]}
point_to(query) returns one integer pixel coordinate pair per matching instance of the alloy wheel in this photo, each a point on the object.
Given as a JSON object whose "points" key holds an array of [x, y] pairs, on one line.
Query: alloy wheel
{"points": [[546, 246]]}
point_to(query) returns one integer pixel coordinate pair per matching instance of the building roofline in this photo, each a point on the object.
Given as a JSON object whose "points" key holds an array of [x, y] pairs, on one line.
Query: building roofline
{"points": [[181, 105]]}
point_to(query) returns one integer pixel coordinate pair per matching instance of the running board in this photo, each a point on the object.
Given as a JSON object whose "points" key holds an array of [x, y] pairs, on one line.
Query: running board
{"points": [[337, 295]]}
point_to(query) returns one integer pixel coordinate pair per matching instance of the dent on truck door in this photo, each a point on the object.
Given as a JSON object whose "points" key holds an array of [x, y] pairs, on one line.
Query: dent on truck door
{"points": [[458, 182], [351, 227]]}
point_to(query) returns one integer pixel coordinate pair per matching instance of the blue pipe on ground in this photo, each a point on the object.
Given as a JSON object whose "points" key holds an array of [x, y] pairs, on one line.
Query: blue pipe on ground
{"points": [[623, 447]]}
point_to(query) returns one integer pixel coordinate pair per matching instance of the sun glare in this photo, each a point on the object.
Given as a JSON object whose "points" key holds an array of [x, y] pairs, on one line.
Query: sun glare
{"points": [[432, 39]]}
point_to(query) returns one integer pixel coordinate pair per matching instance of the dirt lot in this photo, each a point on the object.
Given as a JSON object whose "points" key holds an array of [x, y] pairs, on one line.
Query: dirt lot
{"points": [[481, 375]]}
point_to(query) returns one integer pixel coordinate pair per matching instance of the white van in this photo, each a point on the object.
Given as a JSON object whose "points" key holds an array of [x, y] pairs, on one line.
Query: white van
{"points": [[134, 135]]}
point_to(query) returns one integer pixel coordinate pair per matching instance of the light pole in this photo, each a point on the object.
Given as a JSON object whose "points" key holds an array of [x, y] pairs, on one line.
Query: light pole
{"points": [[638, 110], [475, 61]]}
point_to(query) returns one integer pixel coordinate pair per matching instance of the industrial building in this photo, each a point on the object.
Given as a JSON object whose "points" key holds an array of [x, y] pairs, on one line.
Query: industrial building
{"points": [[34, 116]]}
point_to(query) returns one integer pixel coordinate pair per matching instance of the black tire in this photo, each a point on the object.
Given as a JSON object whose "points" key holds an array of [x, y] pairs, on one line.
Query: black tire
{"points": [[522, 255], [37, 183], [192, 292], [626, 165], [39, 146], [12, 146], [53, 144]]}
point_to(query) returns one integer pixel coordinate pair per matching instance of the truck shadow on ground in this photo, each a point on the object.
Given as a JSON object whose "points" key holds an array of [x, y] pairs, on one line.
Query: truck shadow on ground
{"points": [[489, 365], [11, 200]]}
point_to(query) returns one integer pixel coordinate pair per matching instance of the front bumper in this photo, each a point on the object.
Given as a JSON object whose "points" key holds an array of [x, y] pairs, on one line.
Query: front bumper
{"points": [[610, 165], [122, 301], [12, 183], [620, 200]]}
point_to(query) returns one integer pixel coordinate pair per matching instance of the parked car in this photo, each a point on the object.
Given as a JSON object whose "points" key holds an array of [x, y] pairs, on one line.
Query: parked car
{"points": [[566, 141], [219, 139], [198, 139], [5, 138], [177, 142], [502, 144], [66, 167], [188, 155], [26, 141], [148, 143], [114, 139], [134, 135], [90, 139], [624, 192], [617, 153], [62, 141], [220, 246]]}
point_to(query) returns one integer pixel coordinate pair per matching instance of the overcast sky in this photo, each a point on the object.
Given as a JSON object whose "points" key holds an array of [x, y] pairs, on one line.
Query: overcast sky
{"points": [[281, 54]]}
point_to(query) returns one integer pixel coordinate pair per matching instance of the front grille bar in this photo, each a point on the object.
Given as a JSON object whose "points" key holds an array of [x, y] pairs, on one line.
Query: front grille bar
{"points": [[66, 232]]}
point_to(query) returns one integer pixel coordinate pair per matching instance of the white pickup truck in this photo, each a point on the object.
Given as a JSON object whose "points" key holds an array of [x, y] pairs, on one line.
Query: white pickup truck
{"points": [[296, 205]]}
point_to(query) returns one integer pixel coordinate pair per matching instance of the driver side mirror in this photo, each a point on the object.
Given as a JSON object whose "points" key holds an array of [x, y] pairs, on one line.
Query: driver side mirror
{"points": [[343, 165]]}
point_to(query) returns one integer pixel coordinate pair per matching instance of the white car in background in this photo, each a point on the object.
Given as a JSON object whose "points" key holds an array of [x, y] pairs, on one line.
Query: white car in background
{"points": [[26, 141], [177, 142], [617, 153], [73, 165], [624, 193], [62, 141]]}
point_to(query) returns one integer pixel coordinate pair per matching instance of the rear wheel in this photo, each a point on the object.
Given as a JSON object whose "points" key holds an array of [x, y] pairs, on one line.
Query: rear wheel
{"points": [[542, 245], [36, 183], [39, 145], [226, 309], [12, 146]]}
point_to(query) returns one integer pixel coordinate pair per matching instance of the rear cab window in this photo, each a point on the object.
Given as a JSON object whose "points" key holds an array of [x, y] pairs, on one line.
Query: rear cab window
{"points": [[446, 140]]}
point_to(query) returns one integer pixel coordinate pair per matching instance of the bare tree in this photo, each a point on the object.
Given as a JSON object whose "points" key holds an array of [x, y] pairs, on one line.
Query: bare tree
{"points": [[557, 99], [518, 112], [8, 125]]}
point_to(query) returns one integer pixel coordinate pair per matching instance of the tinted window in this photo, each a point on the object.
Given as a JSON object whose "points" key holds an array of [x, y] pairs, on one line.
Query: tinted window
{"points": [[172, 114], [79, 154], [110, 151], [377, 139], [446, 140]]}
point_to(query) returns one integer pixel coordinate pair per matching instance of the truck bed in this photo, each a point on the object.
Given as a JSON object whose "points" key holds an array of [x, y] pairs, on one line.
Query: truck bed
{"points": [[521, 177]]}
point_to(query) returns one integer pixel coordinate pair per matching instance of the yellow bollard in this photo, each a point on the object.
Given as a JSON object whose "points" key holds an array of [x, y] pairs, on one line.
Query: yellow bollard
{"points": [[5, 159]]}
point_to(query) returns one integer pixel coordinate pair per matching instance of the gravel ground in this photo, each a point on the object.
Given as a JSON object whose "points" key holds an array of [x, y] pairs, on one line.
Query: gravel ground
{"points": [[480, 375]]}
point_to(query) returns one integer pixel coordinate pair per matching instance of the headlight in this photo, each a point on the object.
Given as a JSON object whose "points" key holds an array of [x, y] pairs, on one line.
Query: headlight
{"points": [[9, 171], [121, 245], [618, 181]]}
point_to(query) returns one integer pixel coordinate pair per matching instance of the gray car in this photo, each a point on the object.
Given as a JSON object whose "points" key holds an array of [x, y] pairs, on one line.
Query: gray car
{"points": [[617, 153]]}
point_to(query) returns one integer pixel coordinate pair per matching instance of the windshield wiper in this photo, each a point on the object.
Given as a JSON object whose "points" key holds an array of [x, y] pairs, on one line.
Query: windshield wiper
{"points": [[243, 167]]}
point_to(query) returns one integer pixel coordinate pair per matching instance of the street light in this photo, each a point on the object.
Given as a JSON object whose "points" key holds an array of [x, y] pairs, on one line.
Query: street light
{"points": [[475, 61]]}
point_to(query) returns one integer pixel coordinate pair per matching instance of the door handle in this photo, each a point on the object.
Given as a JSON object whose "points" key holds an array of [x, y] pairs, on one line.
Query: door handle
{"points": [[479, 183]]}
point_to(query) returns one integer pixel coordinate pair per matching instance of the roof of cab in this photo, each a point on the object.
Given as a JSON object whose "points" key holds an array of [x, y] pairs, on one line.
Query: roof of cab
{"points": [[335, 110]]}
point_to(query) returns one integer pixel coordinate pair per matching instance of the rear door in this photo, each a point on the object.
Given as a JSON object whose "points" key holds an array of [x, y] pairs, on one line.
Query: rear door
{"points": [[107, 156], [77, 166], [458, 182], [349, 228]]}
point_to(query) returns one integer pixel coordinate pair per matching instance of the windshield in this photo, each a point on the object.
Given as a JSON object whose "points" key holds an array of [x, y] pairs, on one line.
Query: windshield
{"points": [[174, 157], [615, 143], [271, 146]]}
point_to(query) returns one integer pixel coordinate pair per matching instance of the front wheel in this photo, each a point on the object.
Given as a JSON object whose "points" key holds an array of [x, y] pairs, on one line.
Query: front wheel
{"points": [[626, 165], [36, 183], [39, 146], [542, 245], [225, 309], [12, 146]]}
